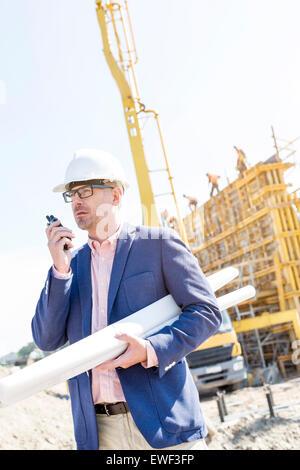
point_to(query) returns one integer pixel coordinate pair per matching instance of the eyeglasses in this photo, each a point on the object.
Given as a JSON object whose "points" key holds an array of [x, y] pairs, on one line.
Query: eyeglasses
{"points": [[83, 192]]}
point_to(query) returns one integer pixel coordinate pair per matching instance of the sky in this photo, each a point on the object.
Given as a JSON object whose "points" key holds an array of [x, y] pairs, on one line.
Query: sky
{"points": [[218, 73]]}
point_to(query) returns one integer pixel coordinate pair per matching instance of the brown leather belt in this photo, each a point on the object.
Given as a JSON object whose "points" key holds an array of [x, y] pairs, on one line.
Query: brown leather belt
{"points": [[111, 408]]}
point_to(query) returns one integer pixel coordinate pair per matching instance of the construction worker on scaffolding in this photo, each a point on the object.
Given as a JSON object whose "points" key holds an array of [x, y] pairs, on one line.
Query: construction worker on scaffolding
{"points": [[165, 217], [193, 202], [242, 164], [173, 223], [213, 180]]}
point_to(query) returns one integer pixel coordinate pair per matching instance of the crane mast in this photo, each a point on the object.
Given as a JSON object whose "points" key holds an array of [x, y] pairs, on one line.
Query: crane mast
{"points": [[114, 17]]}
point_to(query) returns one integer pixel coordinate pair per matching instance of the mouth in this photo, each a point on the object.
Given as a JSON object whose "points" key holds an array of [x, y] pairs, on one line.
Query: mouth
{"points": [[78, 213]]}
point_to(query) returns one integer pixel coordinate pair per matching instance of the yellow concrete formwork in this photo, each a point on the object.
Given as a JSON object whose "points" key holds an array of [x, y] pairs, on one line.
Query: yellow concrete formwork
{"points": [[269, 319]]}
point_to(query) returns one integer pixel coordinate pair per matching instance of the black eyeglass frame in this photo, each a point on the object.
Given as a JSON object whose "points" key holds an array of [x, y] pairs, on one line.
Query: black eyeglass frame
{"points": [[74, 191]]}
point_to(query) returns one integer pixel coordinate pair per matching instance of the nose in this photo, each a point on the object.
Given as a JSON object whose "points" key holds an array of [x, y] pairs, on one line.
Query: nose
{"points": [[76, 202]]}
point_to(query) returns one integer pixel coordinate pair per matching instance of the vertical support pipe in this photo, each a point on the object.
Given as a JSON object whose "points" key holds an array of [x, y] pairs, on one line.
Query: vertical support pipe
{"points": [[223, 403], [220, 409], [270, 400]]}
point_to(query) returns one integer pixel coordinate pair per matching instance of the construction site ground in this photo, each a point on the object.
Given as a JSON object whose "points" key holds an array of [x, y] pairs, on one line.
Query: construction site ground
{"points": [[248, 425], [44, 422]]}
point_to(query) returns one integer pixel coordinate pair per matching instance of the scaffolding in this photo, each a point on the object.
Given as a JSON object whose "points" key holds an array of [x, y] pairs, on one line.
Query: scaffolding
{"points": [[254, 225]]}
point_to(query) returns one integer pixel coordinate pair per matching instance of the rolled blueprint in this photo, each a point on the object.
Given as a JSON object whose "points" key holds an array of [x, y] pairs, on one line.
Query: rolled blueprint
{"points": [[101, 346], [225, 301], [84, 354], [222, 278]]}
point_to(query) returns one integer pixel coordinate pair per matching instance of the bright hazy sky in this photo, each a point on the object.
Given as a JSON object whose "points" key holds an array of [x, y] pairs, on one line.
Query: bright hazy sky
{"points": [[219, 73]]}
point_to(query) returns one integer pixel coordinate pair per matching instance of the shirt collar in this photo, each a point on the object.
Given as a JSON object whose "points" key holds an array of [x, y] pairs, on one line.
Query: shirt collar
{"points": [[112, 240]]}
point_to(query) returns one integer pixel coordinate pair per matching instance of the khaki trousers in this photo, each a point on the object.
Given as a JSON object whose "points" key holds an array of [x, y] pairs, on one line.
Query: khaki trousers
{"points": [[119, 432]]}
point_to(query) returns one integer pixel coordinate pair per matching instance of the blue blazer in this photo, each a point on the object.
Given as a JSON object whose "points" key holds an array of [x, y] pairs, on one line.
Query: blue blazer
{"points": [[149, 264]]}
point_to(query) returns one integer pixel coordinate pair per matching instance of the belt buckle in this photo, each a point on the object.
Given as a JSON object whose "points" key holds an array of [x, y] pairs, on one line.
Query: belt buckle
{"points": [[106, 410]]}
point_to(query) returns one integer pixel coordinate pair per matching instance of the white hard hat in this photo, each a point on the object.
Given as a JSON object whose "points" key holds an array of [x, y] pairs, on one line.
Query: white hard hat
{"points": [[91, 164]]}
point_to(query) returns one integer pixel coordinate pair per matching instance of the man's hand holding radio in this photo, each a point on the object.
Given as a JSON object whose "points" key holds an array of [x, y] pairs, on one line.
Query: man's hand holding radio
{"points": [[58, 237]]}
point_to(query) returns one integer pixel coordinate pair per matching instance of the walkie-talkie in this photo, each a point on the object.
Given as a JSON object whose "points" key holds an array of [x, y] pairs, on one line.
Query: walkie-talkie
{"points": [[52, 219]]}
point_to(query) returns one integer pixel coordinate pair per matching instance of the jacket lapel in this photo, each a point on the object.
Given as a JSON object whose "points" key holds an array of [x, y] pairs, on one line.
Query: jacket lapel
{"points": [[85, 288], [124, 243]]}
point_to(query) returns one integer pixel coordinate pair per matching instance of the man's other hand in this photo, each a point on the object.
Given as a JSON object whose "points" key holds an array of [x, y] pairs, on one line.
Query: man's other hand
{"points": [[135, 353]]}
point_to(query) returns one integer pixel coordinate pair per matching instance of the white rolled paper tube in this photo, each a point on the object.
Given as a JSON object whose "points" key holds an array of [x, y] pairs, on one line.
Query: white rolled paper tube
{"points": [[225, 301], [223, 277], [84, 354], [88, 352], [236, 297]]}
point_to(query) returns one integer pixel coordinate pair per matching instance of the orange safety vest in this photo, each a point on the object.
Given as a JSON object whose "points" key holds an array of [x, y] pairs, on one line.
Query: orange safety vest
{"points": [[241, 160], [193, 200], [213, 178]]}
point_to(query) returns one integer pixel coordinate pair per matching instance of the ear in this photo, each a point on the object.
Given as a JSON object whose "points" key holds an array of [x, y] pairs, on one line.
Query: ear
{"points": [[117, 196]]}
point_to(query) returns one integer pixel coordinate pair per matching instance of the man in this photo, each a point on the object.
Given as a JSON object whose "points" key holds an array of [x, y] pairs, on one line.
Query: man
{"points": [[164, 217], [193, 202], [146, 397], [173, 223], [213, 180]]}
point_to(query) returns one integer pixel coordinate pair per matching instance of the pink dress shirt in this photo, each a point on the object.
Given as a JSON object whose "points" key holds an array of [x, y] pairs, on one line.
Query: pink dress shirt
{"points": [[106, 387]]}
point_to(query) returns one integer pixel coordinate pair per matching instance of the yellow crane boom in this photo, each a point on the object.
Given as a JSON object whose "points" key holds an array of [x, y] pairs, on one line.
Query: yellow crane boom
{"points": [[111, 14]]}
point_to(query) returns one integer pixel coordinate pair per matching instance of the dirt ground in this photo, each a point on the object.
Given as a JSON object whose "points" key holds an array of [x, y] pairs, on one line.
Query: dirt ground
{"points": [[248, 425], [41, 422], [44, 420]]}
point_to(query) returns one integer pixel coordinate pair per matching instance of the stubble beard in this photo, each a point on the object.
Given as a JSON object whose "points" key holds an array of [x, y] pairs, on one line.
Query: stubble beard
{"points": [[84, 223]]}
